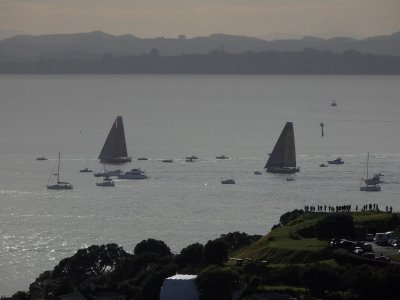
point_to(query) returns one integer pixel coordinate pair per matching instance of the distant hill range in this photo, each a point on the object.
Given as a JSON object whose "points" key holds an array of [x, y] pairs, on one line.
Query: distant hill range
{"points": [[27, 48], [101, 53]]}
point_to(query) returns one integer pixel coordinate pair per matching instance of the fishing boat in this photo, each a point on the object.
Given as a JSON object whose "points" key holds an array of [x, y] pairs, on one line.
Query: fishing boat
{"points": [[59, 185], [114, 149], [107, 181], [369, 186], [228, 181], [133, 174], [337, 161], [282, 160]]}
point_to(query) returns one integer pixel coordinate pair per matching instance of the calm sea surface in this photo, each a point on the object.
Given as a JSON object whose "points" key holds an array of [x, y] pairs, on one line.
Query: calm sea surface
{"points": [[173, 117]]}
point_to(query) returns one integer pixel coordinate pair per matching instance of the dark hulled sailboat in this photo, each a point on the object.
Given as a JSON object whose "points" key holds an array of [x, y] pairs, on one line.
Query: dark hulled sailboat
{"points": [[114, 149], [283, 157]]}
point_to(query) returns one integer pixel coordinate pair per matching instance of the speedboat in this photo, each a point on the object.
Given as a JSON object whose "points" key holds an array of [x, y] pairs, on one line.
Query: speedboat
{"points": [[133, 174], [85, 170], [167, 160], [142, 158], [257, 173], [337, 161], [222, 157], [228, 181], [107, 181], [41, 158]]}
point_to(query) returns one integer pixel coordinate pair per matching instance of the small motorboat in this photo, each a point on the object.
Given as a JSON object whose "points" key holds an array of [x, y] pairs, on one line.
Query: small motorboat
{"points": [[189, 159], [106, 173], [85, 170], [167, 160], [334, 103], [107, 181], [142, 158], [323, 165], [222, 157], [133, 174], [257, 173], [228, 181], [337, 161], [193, 157], [41, 158]]}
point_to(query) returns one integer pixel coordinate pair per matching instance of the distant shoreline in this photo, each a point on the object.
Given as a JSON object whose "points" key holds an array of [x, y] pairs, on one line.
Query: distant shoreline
{"points": [[306, 62]]}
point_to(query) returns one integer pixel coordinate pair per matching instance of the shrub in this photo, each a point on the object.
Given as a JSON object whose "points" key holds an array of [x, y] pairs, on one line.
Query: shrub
{"points": [[335, 226]]}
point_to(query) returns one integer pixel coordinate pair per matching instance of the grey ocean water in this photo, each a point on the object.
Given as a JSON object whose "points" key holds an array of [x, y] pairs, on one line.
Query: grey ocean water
{"points": [[173, 117]]}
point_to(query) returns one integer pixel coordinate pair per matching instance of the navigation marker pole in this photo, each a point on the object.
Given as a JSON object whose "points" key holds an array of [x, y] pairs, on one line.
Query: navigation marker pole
{"points": [[322, 129]]}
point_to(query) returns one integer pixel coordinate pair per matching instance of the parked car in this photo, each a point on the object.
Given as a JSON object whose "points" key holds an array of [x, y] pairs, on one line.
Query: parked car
{"points": [[369, 237], [368, 255], [366, 247], [358, 251], [383, 258]]}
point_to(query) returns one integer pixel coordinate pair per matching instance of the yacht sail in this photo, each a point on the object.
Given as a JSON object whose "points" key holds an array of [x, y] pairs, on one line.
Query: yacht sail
{"points": [[114, 149], [283, 157]]}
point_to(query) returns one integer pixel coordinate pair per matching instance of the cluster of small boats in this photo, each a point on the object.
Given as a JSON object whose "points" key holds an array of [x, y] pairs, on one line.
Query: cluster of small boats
{"points": [[282, 160]]}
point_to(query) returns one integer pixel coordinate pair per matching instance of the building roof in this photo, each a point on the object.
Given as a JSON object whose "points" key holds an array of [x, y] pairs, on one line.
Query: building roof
{"points": [[182, 277]]}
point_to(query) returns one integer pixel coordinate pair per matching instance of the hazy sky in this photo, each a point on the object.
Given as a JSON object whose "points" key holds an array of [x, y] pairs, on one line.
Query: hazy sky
{"points": [[153, 18]]}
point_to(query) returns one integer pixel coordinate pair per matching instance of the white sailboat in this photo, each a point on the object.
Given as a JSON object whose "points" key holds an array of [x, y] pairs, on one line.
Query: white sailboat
{"points": [[59, 185], [368, 186]]}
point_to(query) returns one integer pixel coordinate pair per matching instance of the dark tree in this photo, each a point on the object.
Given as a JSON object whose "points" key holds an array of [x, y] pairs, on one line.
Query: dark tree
{"points": [[236, 240], [290, 215], [215, 252], [72, 271], [153, 246], [218, 283], [320, 279], [191, 255]]}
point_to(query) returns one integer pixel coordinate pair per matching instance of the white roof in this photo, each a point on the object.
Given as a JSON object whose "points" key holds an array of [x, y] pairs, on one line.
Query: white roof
{"points": [[179, 287], [182, 277]]}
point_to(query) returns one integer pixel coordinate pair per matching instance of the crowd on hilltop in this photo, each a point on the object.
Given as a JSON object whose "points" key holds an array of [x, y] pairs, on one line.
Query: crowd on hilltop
{"points": [[345, 208]]}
